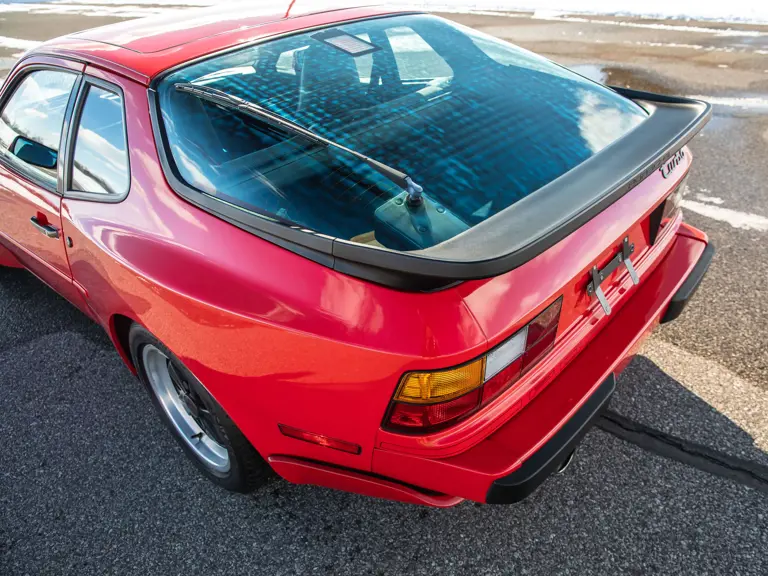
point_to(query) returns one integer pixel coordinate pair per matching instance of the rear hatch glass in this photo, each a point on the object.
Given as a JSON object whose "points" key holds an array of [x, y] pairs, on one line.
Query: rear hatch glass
{"points": [[478, 123]]}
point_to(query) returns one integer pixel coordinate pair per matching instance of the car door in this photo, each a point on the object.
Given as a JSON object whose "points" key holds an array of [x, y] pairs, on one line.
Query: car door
{"points": [[35, 108]]}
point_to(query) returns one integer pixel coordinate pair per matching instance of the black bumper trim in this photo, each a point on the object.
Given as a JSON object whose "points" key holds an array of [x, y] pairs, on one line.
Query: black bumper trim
{"points": [[523, 481], [688, 289]]}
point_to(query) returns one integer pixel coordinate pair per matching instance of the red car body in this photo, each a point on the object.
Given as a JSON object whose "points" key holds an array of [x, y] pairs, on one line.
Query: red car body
{"points": [[279, 339]]}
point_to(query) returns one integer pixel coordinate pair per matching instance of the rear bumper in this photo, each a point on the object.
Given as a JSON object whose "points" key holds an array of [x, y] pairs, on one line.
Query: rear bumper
{"points": [[516, 458], [689, 287], [520, 483]]}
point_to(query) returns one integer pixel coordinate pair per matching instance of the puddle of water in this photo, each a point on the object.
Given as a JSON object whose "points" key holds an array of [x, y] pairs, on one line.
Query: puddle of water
{"points": [[624, 77], [591, 71], [649, 81]]}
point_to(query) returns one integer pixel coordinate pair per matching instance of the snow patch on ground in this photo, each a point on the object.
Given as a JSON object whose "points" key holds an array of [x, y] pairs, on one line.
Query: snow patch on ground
{"points": [[6, 42], [732, 11], [69, 8], [753, 103], [553, 15]]}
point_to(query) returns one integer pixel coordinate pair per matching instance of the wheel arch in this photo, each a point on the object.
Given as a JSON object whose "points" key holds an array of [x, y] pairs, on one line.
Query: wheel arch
{"points": [[119, 328]]}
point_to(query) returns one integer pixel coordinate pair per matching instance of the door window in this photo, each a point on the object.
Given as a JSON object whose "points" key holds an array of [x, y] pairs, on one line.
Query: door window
{"points": [[31, 123], [100, 161]]}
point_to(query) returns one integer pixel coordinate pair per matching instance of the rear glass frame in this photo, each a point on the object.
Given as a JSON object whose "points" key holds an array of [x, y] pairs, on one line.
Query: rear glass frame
{"points": [[170, 161]]}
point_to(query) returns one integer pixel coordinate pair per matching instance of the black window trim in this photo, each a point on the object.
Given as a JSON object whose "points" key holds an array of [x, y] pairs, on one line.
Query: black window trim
{"points": [[8, 92], [69, 150], [672, 122]]}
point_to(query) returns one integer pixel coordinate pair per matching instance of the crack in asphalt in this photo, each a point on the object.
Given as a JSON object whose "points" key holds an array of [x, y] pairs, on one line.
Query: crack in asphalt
{"points": [[695, 455]]}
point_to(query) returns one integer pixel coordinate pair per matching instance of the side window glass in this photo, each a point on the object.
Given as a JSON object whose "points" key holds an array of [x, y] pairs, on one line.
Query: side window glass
{"points": [[100, 161], [31, 123], [416, 59]]}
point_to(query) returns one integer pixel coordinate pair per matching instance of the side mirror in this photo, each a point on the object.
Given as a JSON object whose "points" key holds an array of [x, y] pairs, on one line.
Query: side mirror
{"points": [[34, 153]]}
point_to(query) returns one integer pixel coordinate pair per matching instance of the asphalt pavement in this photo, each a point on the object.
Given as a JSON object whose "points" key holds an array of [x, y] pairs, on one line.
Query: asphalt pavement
{"points": [[91, 482]]}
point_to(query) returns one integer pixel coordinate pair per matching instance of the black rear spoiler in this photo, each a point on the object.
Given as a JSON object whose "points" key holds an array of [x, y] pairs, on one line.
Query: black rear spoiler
{"points": [[504, 241], [532, 225]]}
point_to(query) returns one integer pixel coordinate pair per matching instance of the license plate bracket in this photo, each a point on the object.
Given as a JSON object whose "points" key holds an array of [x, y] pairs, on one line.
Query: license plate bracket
{"points": [[601, 275]]}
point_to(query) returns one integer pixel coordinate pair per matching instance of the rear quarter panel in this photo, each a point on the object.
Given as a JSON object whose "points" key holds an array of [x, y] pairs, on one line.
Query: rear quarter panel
{"points": [[273, 336]]}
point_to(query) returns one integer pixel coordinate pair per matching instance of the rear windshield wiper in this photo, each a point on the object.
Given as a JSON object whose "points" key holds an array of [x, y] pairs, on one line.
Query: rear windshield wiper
{"points": [[252, 109]]}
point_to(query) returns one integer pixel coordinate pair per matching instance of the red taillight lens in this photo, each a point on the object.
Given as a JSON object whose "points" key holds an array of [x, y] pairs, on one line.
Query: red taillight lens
{"points": [[420, 416], [425, 401], [545, 323], [502, 380], [542, 338]]}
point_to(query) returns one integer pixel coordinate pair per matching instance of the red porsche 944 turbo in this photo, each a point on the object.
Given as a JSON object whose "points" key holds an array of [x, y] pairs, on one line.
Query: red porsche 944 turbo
{"points": [[367, 249]]}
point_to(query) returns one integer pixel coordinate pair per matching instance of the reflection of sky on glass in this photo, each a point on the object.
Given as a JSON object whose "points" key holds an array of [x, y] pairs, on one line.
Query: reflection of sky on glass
{"points": [[601, 122], [101, 159], [36, 111]]}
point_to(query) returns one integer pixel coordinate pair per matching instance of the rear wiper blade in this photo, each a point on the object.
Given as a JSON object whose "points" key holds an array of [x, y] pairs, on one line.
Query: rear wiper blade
{"points": [[221, 98]]}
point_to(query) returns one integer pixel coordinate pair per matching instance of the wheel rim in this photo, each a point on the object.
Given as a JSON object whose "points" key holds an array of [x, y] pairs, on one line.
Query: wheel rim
{"points": [[191, 418]]}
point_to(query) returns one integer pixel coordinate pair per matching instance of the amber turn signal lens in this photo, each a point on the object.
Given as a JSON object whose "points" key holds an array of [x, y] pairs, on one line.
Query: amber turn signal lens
{"points": [[432, 387], [427, 401]]}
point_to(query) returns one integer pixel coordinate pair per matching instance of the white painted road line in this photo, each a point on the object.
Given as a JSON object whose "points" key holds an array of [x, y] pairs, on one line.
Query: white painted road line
{"points": [[710, 199], [740, 220]]}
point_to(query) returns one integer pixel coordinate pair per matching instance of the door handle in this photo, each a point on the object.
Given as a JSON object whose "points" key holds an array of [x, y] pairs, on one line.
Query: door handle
{"points": [[47, 229]]}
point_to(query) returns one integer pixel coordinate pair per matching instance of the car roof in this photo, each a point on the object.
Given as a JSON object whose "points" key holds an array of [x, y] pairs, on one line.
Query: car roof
{"points": [[142, 49]]}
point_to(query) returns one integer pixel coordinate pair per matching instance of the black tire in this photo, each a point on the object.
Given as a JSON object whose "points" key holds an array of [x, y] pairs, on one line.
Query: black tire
{"points": [[247, 469]]}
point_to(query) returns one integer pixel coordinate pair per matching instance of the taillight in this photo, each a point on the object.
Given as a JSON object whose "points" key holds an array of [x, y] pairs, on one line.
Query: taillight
{"points": [[666, 211], [425, 401], [673, 201]]}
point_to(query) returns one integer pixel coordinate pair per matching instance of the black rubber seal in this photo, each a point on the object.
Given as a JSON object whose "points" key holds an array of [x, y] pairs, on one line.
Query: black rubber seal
{"points": [[497, 245], [523, 481], [688, 289]]}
